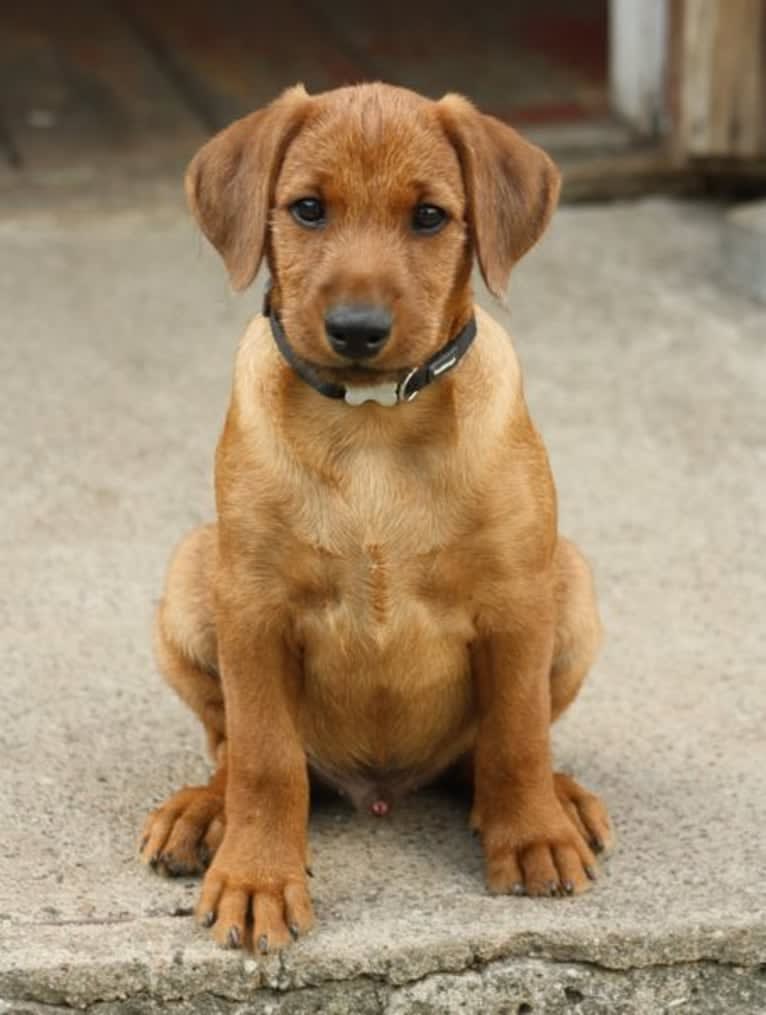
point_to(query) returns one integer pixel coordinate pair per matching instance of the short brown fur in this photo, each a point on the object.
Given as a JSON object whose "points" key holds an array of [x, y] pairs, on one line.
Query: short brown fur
{"points": [[384, 594]]}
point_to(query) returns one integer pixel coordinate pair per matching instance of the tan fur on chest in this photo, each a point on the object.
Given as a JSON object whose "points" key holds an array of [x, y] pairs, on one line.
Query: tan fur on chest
{"points": [[383, 634]]}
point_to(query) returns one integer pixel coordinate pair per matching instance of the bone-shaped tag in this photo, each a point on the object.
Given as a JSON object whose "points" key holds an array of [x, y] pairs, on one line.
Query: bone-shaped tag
{"points": [[383, 394]]}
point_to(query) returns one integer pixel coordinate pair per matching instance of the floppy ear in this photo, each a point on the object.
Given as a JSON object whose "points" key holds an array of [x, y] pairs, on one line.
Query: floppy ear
{"points": [[230, 182], [511, 185]]}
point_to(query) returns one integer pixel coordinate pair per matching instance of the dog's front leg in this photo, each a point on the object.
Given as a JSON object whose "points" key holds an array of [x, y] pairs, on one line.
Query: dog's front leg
{"points": [[258, 877], [530, 844]]}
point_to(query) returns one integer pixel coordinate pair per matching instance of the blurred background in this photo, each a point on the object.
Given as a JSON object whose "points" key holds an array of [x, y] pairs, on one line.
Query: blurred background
{"points": [[631, 96]]}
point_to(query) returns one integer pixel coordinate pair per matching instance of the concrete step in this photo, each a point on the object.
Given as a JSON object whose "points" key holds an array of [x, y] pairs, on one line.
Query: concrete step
{"points": [[646, 378]]}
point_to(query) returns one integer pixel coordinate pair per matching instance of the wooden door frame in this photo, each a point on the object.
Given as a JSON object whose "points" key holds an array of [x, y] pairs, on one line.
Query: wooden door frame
{"points": [[693, 73]]}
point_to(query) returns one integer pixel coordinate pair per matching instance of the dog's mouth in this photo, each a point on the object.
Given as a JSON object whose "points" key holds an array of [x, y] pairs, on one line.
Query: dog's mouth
{"points": [[336, 370]]}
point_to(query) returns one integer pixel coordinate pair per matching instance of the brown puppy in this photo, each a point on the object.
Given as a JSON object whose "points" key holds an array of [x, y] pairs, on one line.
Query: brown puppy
{"points": [[384, 593]]}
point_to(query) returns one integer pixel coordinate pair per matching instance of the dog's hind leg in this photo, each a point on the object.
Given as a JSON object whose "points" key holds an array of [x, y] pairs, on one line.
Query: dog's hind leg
{"points": [[181, 836], [578, 638]]}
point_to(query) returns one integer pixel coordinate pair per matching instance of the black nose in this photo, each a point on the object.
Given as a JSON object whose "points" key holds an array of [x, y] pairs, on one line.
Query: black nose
{"points": [[357, 331]]}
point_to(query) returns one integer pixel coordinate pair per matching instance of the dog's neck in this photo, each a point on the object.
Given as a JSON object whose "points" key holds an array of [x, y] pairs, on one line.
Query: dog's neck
{"points": [[467, 409], [339, 432], [424, 431]]}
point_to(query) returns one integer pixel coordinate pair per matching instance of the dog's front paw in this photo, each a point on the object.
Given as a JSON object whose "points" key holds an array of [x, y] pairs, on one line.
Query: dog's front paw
{"points": [[539, 852], [254, 902]]}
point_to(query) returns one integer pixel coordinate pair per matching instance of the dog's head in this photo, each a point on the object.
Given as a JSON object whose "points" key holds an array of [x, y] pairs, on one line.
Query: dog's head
{"points": [[370, 203]]}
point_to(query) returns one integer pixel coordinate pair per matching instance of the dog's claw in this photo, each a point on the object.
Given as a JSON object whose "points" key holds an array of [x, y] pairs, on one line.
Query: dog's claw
{"points": [[568, 887], [233, 938], [591, 872], [263, 944], [208, 920], [294, 931], [175, 868], [553, 888], [171, 866], [310, 871], [518, 889]]}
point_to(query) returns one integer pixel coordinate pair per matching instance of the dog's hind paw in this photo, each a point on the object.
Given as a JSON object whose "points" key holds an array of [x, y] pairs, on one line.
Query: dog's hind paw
{"points": [[586, 811], [181, 836]]}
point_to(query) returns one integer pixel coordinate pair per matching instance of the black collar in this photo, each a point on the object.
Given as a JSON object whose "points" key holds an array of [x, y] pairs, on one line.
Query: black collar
{"points": [[387, 393]]}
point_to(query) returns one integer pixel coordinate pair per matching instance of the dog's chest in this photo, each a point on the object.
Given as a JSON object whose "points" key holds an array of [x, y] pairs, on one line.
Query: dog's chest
{"points": [[384, 623], [381, 559], [378, 594]]}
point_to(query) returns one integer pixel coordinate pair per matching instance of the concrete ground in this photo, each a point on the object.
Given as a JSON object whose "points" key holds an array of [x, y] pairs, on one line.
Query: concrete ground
{"points": [[647, 377], [744, 248]]}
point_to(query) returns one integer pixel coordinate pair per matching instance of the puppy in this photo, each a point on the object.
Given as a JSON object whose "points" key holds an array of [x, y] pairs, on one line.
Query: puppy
{"points": [[384, 594]]}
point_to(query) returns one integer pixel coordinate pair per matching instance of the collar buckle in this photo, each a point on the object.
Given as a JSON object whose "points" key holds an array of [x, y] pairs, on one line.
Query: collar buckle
{"points": [[403, 394]]}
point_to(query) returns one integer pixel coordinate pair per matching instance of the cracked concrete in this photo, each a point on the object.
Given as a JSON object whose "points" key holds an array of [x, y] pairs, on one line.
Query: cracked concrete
{"points": [[520, 986], [645, 373]]}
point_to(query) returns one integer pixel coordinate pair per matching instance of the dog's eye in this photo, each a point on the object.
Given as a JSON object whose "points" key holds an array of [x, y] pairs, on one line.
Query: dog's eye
{"points": [[428, 218], [308, 211]]}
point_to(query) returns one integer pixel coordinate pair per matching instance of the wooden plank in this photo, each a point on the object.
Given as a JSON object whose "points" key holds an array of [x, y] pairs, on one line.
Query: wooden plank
{"points": [[229, 58], [722, 79], [653, 172], [79, 90]]}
